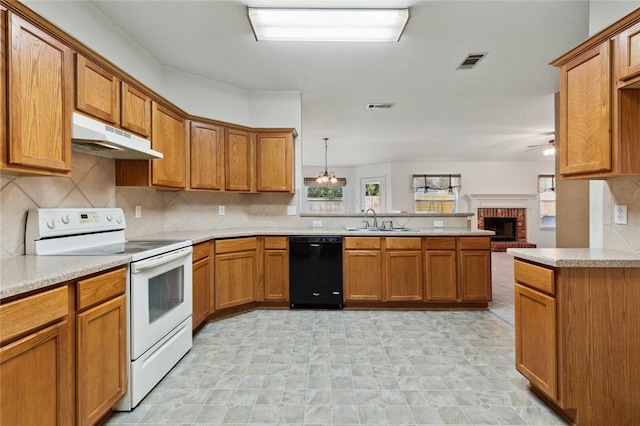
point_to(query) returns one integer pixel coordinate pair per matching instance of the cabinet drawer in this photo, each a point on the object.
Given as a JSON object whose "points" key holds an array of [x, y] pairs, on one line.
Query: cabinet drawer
{"points": [[475, 243], [403, 243], [100, 288], [534, 276], [236, 244], [23, 315], [201, 251], [440, 243], [361, 243], [275, 243]]}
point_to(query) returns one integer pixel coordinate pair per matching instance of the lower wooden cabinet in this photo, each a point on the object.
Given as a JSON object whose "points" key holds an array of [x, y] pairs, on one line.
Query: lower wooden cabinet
{"points": [[475, 268], [101, 345], [536, 337], [276, 269], [236, 272], [403, 268], [362, 269], [202, 283], [36, 370], [441, 277]]}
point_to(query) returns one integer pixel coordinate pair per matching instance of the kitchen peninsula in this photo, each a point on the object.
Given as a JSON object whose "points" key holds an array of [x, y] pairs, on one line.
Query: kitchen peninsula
{"points": [[577, 335]]}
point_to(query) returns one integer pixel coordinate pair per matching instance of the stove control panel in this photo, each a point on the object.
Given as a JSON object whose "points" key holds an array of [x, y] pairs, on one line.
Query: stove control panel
{"points": [[48, 223]]}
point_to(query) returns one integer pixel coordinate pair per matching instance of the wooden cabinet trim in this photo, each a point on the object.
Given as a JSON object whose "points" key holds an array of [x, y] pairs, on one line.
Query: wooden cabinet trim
{"points": [[475, 243], [403, 243], [440, 243], [276, 243], [236, 244], [534, 276], [29, 313], [100, 288], [351, 243]]}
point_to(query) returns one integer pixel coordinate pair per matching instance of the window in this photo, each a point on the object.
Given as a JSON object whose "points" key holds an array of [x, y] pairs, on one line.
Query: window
{"points": [[547, 192], [436, 193], [324, 199]]}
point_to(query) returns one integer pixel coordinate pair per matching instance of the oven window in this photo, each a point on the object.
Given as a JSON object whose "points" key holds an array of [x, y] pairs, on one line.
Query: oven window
{"points": [[166, 291]]}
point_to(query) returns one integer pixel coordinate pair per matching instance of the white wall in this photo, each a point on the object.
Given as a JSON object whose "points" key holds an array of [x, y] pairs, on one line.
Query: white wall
{"points": [[604, 13]]}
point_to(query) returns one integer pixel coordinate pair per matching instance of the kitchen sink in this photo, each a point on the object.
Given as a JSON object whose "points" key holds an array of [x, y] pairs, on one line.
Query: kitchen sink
{"points": [[377, 229]]}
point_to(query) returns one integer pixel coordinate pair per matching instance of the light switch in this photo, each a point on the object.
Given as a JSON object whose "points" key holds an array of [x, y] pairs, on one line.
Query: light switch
{"points": [[221, 210], [138, 212]]}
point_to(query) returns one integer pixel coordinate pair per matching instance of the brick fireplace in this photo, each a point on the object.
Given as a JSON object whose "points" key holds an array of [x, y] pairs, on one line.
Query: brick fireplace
{"points": [[506, 236]]}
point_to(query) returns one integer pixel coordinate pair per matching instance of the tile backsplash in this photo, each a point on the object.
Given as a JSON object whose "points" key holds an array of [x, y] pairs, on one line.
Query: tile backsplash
{"points": [[92, 185], [625, 191]]}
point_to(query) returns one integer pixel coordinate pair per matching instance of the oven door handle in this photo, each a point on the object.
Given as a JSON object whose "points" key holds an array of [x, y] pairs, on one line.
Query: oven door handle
{"points": [[160, 260]]}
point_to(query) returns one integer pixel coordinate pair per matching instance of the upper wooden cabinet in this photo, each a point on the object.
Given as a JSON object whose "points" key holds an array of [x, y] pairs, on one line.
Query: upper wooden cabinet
{"points": [[585, 111], [206, 143], [628, 49], [239, 160], [600, 104], [274, 162], [39, 78], [101, 94], [168, 136]]}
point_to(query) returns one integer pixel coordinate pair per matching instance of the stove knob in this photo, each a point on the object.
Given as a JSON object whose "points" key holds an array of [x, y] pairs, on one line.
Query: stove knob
{"points": [[51, 224], [109, 217], [119, 219], [65, 219]]}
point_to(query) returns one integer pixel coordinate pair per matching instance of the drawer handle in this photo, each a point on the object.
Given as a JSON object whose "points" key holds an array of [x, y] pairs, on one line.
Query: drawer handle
{"points": [[316, 294]]}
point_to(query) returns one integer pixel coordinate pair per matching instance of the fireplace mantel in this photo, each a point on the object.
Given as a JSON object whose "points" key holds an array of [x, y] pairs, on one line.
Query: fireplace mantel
{"points": [[500, 200]]}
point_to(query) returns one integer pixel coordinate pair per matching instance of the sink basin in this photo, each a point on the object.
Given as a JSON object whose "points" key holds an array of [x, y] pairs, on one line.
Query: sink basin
{"points": [[372, 229]]}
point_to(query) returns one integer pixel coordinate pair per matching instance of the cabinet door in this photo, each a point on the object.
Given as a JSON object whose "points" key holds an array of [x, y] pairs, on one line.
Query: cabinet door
{"points": [[36, 375], [276, 275], [3, 86], [239, 161], [101, 359], [475, 275], [274, 162], [585, 108], [135, 111], [202, 290], [404, 275], [536, 338], [207, 156], [40, 82], [441, 278], [628, 49], [235, 278], [168, 137], [363, 275], [97, 91]]}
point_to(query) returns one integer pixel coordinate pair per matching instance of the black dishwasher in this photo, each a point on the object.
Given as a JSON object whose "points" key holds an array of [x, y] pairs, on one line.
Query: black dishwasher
{"points": [[315, 272]]}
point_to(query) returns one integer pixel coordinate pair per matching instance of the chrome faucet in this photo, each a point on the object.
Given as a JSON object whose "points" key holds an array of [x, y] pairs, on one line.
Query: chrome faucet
{"points": [[375, 219]]}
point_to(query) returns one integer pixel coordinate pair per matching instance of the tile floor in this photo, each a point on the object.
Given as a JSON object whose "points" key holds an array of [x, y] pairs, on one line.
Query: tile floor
{"points": [[346, 368]]}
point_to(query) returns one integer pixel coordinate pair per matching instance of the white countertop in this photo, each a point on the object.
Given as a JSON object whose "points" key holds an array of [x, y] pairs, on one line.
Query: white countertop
{"points": [[578, 258], [22, 274]]}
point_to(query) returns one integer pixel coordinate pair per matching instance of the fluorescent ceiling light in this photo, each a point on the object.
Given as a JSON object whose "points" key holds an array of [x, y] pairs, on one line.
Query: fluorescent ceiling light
{"points": [[327, 24]]}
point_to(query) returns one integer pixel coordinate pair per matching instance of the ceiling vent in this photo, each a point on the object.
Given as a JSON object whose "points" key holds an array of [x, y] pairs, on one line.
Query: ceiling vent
{"points": [[471, 61], [380, 106]]}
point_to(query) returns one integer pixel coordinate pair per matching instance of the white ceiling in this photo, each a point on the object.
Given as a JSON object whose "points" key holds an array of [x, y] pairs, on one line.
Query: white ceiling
{"points": [[490, 113]]}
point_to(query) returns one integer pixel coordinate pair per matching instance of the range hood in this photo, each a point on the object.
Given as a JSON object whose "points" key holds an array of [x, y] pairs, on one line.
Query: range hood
{"points": [[96, 138]]}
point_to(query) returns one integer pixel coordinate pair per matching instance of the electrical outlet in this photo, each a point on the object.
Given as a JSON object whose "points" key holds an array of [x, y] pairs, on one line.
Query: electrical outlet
{"points": [[438, 223], [317, 224], [220, 210], [620, 214], [291, 210], [138, 212]]}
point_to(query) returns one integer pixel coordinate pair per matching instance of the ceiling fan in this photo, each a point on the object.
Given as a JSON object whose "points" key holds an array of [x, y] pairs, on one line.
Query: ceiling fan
{"points": [[548, 148]]}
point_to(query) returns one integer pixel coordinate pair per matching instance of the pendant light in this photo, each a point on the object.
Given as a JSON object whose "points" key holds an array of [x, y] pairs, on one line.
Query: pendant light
{"points": [[326, 177]]}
